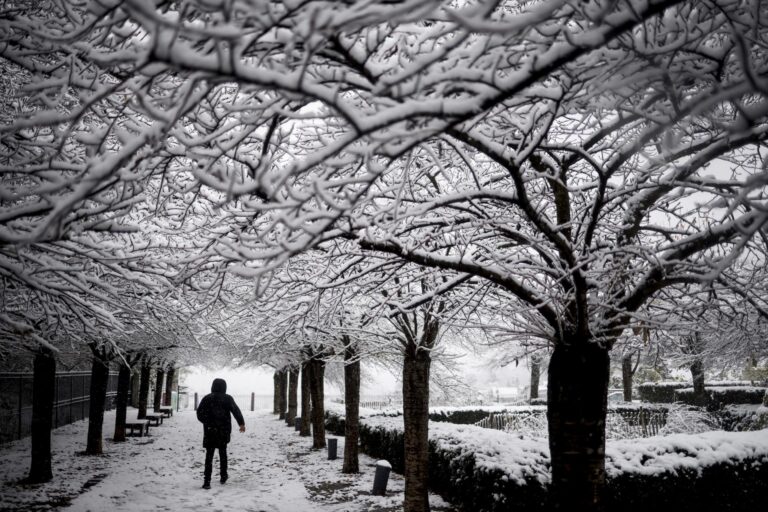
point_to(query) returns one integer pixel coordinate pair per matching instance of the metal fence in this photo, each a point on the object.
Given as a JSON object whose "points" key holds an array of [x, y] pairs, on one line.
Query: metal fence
{"points": [[71, 401], [620, 424]]}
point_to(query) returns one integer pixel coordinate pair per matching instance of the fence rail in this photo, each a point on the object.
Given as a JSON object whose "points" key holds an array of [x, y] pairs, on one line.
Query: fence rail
{"points": [[71, 401], [619, 424]]}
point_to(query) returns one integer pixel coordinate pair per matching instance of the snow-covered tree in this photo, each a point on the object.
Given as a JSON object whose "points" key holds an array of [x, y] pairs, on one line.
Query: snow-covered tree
{"points": [[578, 157]]}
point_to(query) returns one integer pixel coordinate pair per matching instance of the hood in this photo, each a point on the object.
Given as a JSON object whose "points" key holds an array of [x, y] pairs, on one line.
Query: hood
{"points": [[219, 386]]}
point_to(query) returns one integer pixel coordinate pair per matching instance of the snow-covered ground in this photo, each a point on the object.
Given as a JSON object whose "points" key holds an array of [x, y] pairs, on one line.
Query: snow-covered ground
{"points": [[271, 469]]}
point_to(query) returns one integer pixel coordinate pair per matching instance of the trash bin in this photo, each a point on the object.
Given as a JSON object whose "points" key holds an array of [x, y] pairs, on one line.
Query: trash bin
{"points": [[332, 445], [381, 477], [297, 424]]}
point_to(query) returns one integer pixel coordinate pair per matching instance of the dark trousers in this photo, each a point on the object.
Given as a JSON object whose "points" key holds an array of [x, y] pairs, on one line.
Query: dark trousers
{"points": [[209, 462]]}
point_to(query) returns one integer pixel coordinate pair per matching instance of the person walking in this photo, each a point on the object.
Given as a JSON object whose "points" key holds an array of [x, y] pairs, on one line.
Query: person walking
{"points": [[213, 411]]}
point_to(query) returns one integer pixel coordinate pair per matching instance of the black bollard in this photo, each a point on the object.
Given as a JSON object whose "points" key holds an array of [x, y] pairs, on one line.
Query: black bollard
{"points": [[381, 477], [332, 443], [297, 424]]}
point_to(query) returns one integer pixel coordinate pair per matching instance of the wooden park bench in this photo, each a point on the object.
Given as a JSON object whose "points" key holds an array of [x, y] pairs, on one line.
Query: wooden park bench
{"points": [[142, 426], [154, 419], [166, 411]]}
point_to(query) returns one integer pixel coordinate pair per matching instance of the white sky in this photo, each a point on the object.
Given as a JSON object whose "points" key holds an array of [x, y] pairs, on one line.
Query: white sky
{"points": [[375, 382]]}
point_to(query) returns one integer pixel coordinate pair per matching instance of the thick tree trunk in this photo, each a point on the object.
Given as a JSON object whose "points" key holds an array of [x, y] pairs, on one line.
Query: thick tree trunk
{"points": [[43, 388], [352, 410], [577, 398], [283, 393], [276, 393], [293, 396], [169, 386], [697, 374], [157, 403], [416, 367], [535, 375], [317, 392], [144, 391], [626, 376], [121, 402], [306, 402], [98, 398]]}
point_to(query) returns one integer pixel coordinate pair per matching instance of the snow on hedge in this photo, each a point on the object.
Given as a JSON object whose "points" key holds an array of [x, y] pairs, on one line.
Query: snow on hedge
{"points": [[523, 458]]}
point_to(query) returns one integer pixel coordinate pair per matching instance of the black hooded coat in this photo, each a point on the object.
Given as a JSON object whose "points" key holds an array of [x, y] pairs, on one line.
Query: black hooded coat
{"points": [[213, 411]]}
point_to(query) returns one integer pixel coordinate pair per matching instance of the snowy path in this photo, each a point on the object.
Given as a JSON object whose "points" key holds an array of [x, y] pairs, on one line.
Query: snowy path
{"points": [[271, 469]]}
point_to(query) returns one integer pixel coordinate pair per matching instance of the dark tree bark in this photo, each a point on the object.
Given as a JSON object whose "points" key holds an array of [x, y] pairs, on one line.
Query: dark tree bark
{"points": [[43, 388], [144, 390], [352, 409], [98, 399], [416, 368], [694, 348], [135, 386], [317, 391], [276, 393], [577, 397], [535, 375], [169, 386], [306, 402], [283, 404], [159, 374], [121, 402], [697, 375], [293, 395], [627, 374]]}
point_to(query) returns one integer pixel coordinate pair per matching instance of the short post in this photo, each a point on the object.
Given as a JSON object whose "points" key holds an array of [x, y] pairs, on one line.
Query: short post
{"points": [[253, 401], [381, 477], [195, 400], [332, 445], [297, 423]]}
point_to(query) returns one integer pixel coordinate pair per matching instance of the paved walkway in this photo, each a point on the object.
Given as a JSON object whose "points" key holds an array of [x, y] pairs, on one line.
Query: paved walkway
{"points": [[272, 469]]}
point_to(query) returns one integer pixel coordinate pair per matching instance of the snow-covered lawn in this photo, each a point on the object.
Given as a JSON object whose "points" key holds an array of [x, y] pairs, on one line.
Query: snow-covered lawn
{"points": [[271, 468]]}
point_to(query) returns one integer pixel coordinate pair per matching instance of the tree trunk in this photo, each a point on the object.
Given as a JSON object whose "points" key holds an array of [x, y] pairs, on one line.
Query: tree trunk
{"points": [[352, 410], [98, 398], [577, 398], [317, 391], [697, 374], [121, 402], [535, 375], [306, 402], [416, 367], [169, 386], [626, 377], [135, 387], [293, 396], [276, 393], [144, 391], [283, 393], [158, 390], [43, 388]]}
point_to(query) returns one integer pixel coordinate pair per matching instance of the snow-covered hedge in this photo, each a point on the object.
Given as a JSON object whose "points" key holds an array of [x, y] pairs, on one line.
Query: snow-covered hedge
{"points": [[721, 396], [490, 471], [664, 392], [742, 418]]}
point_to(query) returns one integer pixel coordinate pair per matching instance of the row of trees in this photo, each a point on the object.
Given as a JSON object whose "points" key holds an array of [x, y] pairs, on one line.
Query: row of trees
{"points": [[44, 398], [371, 179]]}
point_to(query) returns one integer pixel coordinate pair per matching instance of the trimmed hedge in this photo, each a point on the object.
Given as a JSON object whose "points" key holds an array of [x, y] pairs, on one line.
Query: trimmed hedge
{"points": [[487, 471], [664, 392], [659, 392], [718, 397]]}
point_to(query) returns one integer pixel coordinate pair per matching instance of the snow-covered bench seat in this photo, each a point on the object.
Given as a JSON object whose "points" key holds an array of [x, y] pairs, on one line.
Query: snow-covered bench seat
{"points": [[138, 428]]}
